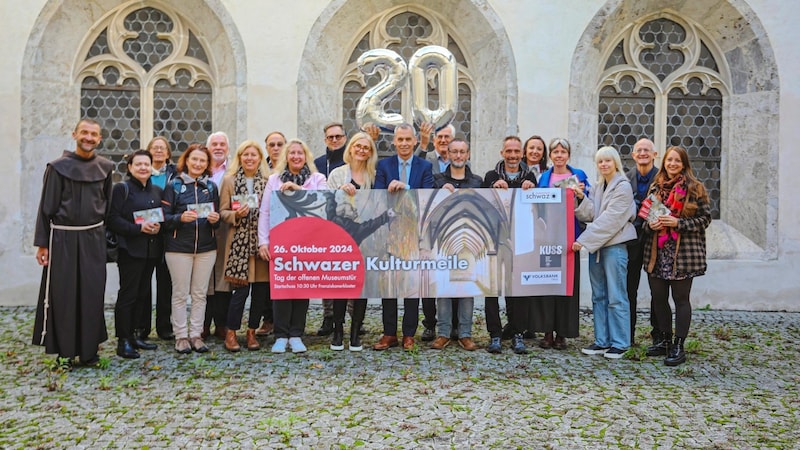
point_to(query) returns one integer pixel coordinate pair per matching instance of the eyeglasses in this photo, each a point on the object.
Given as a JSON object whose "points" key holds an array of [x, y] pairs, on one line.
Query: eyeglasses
{"points": [[640, 150], [334, 137], [458, 152], [362, 148], [158, 147], [276, 144]]}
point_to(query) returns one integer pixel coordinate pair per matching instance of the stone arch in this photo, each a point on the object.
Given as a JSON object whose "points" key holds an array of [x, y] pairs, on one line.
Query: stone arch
{"points": [[486, 46], [51, 93], [748, 223]]}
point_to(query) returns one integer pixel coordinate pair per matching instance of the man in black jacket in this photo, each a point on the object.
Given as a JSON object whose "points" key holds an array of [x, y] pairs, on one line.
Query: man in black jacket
{"points": [[508, 173]]}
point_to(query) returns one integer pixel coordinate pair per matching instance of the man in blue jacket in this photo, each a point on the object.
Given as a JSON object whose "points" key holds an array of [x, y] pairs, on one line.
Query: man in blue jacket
{"points": [[398, 173]]}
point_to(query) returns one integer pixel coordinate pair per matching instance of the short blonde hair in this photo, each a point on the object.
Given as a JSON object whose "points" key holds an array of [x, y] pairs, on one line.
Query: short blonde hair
{"points": [[608, 152]]}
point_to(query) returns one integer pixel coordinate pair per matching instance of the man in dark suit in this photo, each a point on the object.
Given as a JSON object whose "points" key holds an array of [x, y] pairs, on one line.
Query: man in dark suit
{"points": [[641, 178], [398, 173]]}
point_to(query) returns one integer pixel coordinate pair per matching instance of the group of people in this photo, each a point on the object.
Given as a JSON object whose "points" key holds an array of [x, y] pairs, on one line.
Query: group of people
{"points": [[208, 240]]}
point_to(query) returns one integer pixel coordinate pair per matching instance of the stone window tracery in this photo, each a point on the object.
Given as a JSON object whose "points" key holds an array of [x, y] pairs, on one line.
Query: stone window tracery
{"points": [[404, 33], [662, 81], [146, 74]]}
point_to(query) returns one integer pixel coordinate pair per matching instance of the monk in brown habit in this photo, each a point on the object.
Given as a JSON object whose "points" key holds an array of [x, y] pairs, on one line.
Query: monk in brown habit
{"points": [[70, 236]]}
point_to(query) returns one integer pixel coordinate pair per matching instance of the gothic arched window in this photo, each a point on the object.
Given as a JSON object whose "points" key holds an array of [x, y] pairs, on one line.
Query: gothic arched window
{"points": [[663, 82], [405, 33], [146, 74]]}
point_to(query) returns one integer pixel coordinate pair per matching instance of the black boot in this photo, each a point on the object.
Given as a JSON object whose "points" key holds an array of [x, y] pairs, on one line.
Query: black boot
{"points": [[355, 337], [125, 349], [676, 354], [326, 328], [660, 347], [338, 336], [518, 345], [139, 341]]}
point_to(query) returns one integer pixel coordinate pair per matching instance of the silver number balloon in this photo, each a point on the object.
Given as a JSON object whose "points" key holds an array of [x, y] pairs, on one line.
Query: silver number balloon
{"points": [[434, 57], [371, 105]]}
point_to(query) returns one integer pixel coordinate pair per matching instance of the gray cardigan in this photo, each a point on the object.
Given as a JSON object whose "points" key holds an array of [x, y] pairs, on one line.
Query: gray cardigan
{"points": [[609, 212]]}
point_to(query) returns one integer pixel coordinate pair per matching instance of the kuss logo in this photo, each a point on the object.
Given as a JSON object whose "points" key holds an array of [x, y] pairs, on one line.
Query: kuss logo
{"points": [[550, 255]]}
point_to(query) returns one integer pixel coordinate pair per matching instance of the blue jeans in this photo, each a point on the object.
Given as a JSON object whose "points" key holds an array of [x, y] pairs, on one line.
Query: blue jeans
{"points": [[444, 313], [610, 307]]}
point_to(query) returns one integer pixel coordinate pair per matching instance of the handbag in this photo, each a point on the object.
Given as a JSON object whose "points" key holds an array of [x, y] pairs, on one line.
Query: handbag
{"points": [[112, 246], [112, 241]]}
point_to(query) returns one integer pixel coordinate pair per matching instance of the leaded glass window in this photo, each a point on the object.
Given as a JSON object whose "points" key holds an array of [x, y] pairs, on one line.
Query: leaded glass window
{"points": [[662, 81], [146, 74], [405, 33]]}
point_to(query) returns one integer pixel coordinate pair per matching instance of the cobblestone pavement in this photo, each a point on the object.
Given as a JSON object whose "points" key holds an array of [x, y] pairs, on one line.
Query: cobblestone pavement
{"points": [[739, 389]]}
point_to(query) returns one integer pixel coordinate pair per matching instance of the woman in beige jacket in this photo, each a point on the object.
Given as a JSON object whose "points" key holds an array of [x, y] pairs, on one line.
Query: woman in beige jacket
{"points": [[240, 197]]}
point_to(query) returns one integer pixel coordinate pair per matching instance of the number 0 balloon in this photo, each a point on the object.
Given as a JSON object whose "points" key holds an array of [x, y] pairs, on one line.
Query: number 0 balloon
{"points": [[434, 57]]}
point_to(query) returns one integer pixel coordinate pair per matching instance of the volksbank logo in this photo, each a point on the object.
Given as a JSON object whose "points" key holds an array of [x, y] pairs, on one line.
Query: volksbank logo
{"points": [[546, 195], [529, 278], [550, 255]]}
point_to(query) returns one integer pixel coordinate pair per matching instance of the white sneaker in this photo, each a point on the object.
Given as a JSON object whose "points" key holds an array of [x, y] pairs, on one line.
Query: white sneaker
{"points": [[280, 345], [297, 345]]}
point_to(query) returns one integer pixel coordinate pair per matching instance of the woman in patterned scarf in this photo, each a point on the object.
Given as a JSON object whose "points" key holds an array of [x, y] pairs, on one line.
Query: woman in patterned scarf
{"points": [[240, 195], [295, 171], [675, 249]]}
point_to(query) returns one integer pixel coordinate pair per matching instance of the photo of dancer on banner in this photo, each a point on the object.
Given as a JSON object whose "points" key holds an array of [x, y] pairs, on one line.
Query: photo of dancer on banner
{"points": [[421, 243]]}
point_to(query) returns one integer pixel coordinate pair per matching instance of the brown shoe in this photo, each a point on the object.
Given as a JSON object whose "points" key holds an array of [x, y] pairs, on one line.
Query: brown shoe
{"points": [[560, 343], [231, 344], [408, 343], [206, 332], [252, 342], [182, 346], [386, 342], [266, 329], [467, 344], [547, 342], [440, 342], [198, 345], [221, 332]]}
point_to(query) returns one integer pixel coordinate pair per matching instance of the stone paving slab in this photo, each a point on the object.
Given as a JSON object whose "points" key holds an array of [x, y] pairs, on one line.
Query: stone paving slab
{"points": [[739, 389]]}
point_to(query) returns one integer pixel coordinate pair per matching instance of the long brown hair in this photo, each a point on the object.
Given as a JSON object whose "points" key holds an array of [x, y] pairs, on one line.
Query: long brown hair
{"points": [[695, 190]]}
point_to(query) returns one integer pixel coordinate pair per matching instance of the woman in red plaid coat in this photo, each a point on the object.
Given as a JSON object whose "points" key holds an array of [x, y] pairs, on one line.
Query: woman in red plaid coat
{"points": [[675, 249]]}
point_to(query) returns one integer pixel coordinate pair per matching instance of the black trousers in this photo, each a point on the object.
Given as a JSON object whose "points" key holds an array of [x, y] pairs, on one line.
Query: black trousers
{"points": [[135, 292], [258, 293], [217, 309], [681, 290], [518, 319], [163, 302], [429, 313], [410, 316], [290, 317], [357, 316], [635, 261]]}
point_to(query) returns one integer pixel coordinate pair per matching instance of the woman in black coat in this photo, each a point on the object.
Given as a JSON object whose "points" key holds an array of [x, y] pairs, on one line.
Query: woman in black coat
{"points": [[140, 248]]}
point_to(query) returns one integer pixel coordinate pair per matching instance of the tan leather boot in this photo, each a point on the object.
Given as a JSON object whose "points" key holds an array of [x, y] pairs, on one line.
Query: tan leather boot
{"points": [[231, 344], [252, 342]]}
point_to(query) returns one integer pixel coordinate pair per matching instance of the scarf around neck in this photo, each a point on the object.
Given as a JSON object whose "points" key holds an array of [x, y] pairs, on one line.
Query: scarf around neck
{"points": [[299, 179], [672, 194], [244, 243]]}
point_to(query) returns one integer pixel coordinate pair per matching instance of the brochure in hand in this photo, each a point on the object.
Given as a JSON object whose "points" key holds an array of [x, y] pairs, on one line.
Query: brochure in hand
{"points": [[202, 209]]}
